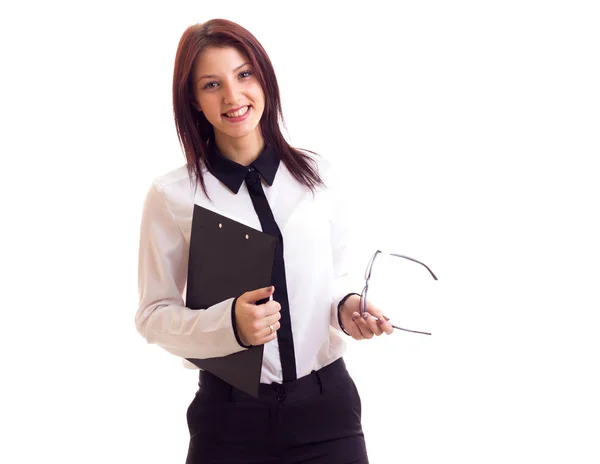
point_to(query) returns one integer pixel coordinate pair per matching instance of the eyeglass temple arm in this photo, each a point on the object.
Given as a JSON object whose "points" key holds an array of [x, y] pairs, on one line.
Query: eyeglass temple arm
{"points": [[407, 330], [415, 261]]}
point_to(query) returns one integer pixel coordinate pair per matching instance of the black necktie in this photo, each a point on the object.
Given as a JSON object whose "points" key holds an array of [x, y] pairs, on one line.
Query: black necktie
{"points": [[269, 226]]}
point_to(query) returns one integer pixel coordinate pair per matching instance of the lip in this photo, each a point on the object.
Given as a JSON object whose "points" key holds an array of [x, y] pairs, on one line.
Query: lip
{"points": [[239, 119], [236, 109]]}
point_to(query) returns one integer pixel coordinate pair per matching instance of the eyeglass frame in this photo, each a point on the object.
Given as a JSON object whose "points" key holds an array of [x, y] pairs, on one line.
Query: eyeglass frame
{"points": [[363, 295]]}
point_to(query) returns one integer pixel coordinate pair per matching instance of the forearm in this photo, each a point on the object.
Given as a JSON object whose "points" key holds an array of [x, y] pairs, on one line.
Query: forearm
{"points": [[198, 333]]}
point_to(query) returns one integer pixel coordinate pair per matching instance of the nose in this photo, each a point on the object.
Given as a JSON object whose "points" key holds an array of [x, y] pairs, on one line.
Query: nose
{"points": [[231, 93]]}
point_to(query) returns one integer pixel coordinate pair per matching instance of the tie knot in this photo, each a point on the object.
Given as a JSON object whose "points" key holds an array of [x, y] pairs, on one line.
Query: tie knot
{"points": [[252, 175]]}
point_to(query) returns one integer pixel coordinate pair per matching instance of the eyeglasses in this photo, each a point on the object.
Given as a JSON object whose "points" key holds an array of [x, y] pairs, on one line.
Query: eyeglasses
{"points": [[363, 296]]}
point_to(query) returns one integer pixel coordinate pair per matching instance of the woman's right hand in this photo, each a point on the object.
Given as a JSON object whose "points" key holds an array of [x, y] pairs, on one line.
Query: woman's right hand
{"points": [[254, 322]]}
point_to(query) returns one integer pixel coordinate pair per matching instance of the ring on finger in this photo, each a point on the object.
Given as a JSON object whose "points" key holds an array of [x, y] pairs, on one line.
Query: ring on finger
{"points": [[271, 327]]}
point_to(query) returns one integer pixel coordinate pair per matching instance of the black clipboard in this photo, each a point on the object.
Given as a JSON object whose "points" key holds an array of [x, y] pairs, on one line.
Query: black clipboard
{"points": [[227, 259]]}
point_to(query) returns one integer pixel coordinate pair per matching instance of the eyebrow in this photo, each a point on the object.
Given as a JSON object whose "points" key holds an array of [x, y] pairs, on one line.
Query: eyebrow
{"points": [[212, 76]]}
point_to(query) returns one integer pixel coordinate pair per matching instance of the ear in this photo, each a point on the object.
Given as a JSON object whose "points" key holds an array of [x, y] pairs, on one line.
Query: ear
{"points": [[196, 105], [192, 98]]}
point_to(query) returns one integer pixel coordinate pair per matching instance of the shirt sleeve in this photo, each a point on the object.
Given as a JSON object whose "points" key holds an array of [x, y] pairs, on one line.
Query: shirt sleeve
{"points": [[340, 248], [162, 317]]}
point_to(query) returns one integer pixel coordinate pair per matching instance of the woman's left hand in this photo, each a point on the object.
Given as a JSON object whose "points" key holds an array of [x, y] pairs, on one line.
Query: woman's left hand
{"points": [[371, 323]]}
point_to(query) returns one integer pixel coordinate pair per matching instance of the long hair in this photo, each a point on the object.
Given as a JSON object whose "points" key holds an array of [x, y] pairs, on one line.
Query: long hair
{"points": [[194, 130]]}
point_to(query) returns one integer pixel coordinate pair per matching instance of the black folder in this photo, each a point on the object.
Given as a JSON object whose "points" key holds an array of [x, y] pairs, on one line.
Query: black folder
{"points": [[227, 259]]}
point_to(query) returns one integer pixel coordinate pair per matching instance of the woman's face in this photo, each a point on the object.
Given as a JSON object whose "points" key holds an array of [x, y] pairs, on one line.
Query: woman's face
{"points": [[227, 92]]}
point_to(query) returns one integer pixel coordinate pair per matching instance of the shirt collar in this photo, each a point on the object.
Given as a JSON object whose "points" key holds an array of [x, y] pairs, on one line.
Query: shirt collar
{"points": [[233, 174]]}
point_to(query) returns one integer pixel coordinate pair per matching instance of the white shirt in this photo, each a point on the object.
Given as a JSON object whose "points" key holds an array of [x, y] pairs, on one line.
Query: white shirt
{"points": [[316, 264]]}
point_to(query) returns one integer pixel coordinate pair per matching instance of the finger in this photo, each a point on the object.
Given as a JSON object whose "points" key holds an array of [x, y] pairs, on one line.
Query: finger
{"points": [[374, 310], [382, 321], [372, 324], [384, 324], [354, 331], [261, 331], [276, 325], [272, 319], [266, 339], [351, 328], [258, 294], [371, 316], [362, 325], [271, 307], [270, 338], [267, 335]]}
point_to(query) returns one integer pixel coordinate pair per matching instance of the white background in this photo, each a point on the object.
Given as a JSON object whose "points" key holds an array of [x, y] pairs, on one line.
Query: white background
{"points": [[467, 131]]}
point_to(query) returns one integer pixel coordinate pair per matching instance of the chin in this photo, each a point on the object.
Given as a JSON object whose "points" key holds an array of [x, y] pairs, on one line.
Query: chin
{"points": [[239, 133]]}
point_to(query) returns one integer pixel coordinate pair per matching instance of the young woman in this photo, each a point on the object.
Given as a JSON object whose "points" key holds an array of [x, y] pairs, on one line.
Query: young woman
{"points": [[227, 113]]}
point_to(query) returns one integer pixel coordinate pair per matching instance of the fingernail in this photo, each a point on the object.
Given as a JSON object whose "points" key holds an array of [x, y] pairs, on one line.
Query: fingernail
{"points": [[269, 288], [365, 316], [380, 321], [355, 316]]}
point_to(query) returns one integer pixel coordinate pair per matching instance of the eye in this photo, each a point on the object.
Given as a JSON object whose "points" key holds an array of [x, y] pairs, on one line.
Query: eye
{"points": [[245, 74], [210, 85]]}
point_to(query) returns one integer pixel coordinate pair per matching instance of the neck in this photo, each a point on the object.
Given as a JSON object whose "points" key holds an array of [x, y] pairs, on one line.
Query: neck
{"points": [[242, 150]]}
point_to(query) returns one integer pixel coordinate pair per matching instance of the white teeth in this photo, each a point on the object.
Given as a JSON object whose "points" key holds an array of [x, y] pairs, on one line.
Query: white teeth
{"points": [[238, 113]]}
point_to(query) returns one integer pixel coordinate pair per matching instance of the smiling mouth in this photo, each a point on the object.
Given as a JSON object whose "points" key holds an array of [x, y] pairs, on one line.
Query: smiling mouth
{"points": [[238, 113]]}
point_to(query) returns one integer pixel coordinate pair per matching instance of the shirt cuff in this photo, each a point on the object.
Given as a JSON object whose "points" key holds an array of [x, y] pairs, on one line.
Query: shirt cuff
{"points": [[340, 304], [234, 325]]}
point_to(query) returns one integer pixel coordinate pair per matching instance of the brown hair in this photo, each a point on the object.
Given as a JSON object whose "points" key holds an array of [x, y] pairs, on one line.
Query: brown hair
{"points": [[194, 130]]}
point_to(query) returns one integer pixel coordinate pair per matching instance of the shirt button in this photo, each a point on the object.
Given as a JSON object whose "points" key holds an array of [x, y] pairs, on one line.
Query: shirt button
{"points": [[280, 397]]}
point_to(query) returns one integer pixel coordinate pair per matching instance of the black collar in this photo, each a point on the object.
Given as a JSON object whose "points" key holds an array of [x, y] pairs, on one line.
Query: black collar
{"points": [[233, 174]]}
